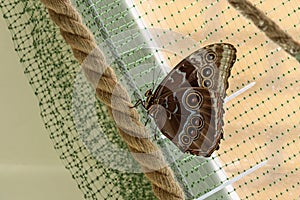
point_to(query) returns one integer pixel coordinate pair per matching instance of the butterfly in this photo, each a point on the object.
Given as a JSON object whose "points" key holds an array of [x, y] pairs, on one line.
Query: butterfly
{"points": [[187, 106]]}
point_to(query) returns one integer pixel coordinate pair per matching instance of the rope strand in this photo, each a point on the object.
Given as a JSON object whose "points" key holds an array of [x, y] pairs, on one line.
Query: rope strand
{"points": [[115, 97], [269, 27]]}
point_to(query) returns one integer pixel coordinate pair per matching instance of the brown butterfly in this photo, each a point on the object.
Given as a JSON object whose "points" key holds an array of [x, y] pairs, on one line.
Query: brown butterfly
{"points": [[187, 106]]}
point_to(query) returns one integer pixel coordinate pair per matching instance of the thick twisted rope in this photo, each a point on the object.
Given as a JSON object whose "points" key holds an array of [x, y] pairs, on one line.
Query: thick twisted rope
{"points": [[269, 27], [115, 97]]}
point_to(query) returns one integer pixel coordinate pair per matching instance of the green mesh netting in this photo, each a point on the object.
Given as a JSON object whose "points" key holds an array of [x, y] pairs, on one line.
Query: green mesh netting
{"points": [[259, 157]]}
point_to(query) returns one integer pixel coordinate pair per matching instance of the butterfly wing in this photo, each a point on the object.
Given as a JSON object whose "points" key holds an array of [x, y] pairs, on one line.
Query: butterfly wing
{"points": [[188, 104]]}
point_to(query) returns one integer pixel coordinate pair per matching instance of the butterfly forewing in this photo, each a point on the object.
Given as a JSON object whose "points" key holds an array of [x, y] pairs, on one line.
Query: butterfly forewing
{"points": [[187, 106]]}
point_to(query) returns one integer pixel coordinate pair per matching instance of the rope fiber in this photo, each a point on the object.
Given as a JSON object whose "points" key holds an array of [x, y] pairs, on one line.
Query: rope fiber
{"points": [[143, 150]]}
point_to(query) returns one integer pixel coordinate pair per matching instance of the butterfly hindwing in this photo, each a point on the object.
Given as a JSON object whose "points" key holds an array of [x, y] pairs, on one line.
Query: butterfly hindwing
{"points": [[187, 106]]}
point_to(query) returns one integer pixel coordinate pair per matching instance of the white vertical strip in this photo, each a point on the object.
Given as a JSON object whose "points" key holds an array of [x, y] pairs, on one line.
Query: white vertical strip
{"points": [[147, 35]]}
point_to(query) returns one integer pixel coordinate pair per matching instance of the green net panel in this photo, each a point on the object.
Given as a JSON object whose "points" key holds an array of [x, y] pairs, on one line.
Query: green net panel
{"points": [[259, 157]]}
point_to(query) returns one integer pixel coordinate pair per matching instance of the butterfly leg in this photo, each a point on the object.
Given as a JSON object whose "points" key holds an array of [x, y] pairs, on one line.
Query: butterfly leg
{"points": [[147, 121], [140, 101]]}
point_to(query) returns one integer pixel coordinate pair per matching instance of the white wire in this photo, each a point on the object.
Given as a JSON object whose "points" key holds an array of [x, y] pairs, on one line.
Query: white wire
{"points": [[247, 87], [231, 181]]}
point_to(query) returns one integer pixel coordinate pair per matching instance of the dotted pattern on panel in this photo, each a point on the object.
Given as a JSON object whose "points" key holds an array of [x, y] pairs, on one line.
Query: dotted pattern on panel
{"points": [[142, 41]]}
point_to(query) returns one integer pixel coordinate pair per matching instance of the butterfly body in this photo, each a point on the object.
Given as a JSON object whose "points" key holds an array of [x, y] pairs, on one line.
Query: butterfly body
{"points": [[187, 106]]}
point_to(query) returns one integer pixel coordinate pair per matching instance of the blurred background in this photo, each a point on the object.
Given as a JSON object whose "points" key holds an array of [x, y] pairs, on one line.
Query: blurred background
{"points": [[29, 166]]}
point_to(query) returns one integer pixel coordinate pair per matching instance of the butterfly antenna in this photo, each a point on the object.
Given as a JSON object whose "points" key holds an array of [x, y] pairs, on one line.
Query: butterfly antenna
{"points": [[155, 80]]}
